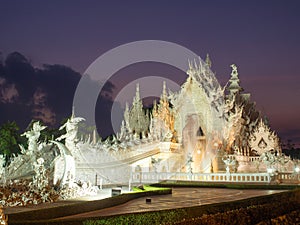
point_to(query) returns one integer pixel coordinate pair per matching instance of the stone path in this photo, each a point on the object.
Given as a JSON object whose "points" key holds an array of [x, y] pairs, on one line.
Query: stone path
{"points": [[181, 197]]}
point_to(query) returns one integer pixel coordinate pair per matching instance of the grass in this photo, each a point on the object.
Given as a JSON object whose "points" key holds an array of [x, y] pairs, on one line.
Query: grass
{"points": [[147, 188]]}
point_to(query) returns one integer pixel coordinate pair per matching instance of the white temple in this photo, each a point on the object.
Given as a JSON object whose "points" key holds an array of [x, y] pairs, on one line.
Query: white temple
{"points": [[202, 132]]}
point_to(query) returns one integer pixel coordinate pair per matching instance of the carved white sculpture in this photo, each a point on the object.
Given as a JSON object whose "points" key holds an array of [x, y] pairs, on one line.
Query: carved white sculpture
{"points": [[71, 132], [40, 180], [228, 162], [33, 136], [69, 151], [233, 127], [22, 165], [269, 159], [263, 139]]}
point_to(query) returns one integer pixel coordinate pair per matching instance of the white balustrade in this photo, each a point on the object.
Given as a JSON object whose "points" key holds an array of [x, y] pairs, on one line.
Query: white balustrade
{"points": [[152, 177], [288, 178]]}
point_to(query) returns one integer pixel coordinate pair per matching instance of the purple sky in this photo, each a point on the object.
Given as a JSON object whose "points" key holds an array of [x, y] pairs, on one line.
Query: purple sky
{"points": [[261, 37]]}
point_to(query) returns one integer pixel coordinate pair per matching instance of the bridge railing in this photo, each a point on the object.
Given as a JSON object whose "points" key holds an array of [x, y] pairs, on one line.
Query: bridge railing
{"points": [[288, 177], [151, 177]]}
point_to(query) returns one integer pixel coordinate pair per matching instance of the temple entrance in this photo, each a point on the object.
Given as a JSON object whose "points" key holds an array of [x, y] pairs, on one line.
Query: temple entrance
{"points": [[194, 142], [199, 154]]}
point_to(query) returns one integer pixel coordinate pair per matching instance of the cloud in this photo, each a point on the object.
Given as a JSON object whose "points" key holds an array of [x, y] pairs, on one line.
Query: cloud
{"points": [[40, 109], [18, 71], [59, 82], [44, 114], [45, 94], [39, 97], [8, 92]]}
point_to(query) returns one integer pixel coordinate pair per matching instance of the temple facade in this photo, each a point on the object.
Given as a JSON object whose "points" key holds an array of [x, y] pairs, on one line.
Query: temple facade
{"points": [[203, 124], [203, 128]]}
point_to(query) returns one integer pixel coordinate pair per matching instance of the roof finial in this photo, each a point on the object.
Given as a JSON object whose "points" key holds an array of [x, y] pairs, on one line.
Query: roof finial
{"points": [[137, 93], [73, 112], [234, 81], [208, 61], [164, 92]]}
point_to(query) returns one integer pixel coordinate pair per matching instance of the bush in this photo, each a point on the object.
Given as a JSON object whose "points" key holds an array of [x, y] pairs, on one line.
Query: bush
{"points": [[290, 218]]}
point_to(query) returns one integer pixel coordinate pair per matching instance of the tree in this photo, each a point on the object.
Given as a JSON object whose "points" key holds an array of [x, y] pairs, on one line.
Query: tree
{"points": [[10, 139]]}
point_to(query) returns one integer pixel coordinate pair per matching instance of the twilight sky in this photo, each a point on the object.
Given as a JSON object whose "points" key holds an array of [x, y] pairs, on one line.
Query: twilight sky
{"points": [[261, 37]]}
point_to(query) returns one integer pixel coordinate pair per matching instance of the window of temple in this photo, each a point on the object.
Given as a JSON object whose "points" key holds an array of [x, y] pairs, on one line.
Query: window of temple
{"points": [[200, 132]]}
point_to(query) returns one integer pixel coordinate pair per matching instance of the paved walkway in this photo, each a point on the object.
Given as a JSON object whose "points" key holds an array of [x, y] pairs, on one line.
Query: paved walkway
{"points": [[181, 197]]}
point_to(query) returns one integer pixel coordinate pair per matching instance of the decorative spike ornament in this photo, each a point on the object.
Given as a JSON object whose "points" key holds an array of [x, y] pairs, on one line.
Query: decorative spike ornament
{"points": [[208, 61], [234, 82]]}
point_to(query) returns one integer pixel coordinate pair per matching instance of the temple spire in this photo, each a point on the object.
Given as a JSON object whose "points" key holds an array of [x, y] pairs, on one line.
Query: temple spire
{"points": [[126, 116], [137, 93], [164, 95], [138, 119], [154, 110], [234, 82]]}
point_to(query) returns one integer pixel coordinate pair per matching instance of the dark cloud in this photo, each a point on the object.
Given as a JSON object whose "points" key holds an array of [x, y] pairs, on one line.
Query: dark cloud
{"points": [[45, 94], [56, 87], [8, 91], [1, 64], [19, 71]]}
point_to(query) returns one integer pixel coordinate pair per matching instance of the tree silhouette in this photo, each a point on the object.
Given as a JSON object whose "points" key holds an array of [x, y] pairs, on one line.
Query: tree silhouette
{"points": [[10, 139]]}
